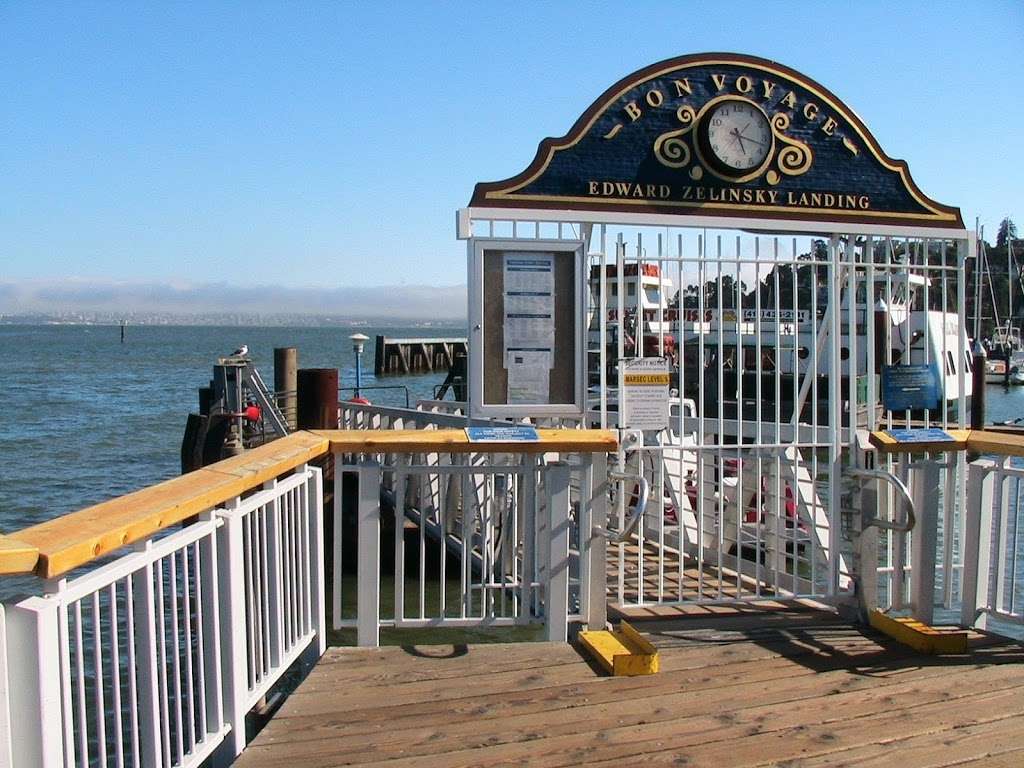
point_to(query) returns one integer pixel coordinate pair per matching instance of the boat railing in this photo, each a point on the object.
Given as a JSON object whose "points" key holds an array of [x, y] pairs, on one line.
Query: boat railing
{"points": [[168, 616]]}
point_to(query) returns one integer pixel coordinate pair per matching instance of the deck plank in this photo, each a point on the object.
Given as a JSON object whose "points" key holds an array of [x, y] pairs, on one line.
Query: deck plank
{"points": [[749, 687]]}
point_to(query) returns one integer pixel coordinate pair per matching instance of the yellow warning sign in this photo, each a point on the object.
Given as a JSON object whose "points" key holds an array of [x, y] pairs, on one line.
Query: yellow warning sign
{"points": [[634, 379]]}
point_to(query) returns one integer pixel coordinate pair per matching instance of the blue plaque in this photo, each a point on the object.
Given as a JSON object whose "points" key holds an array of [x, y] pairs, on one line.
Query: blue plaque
{"points": [[931, 435], [910, 387], [502, 435]]}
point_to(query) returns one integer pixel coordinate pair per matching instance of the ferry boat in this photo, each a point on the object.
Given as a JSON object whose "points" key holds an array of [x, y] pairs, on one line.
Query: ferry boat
{"points": [[790, 340]]}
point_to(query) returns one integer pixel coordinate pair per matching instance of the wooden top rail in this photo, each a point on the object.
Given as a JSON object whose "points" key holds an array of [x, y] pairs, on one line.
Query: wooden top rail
{"points": [[977, 440], [57, 546], [455, 441]]}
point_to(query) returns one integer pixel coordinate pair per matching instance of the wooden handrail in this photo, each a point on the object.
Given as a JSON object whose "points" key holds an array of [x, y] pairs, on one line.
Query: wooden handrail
{"points": [[57, 546], [455, 441], [976, 440]]}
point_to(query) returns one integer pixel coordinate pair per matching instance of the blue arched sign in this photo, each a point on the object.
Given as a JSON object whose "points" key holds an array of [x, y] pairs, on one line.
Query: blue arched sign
{"points": [[725, 135]]}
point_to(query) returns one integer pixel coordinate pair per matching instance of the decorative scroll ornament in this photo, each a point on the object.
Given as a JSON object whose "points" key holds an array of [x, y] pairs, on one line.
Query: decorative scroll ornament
{"points": [[670, 148], [795, 158]]}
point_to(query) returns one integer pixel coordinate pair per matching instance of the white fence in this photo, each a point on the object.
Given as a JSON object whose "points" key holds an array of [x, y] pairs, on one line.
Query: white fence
{"points": [[993, 584], [499, 540], [155, 658]]}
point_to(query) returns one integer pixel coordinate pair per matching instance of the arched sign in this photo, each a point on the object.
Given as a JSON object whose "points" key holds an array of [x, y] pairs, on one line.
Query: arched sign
{"points": [[722, 135]]}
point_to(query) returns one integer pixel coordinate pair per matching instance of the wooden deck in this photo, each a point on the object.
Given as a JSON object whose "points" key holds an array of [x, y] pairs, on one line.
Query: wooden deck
{"points": [[760, 686]]}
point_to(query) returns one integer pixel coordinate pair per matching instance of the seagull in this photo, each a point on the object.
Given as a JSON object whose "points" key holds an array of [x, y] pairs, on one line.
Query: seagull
{"points": [[242, 351]]}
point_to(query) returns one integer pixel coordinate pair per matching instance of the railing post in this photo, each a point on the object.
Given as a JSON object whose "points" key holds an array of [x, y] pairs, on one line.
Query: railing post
{"points": [[233, 622], [974, 584], [34, 682], [924, 539], [315, 494], [6, 756], [144, 599], [595, 547], [368, 576], [556, 592]]}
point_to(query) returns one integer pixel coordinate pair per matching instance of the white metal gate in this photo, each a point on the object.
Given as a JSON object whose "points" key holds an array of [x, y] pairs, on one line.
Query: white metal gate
{"points": [[775, 345]]}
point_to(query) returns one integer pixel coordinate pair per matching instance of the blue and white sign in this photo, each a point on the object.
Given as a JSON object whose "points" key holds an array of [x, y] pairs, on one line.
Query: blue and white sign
{"points": [[502, 435], [931, 435], [910, 387]]}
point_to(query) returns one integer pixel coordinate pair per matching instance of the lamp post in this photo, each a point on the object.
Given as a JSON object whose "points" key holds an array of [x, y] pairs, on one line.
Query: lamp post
{"points": [[358, 339]]}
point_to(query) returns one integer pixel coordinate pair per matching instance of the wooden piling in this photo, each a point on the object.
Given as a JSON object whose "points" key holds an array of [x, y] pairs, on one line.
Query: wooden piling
{"points": [[286, 383], [317, 394]]}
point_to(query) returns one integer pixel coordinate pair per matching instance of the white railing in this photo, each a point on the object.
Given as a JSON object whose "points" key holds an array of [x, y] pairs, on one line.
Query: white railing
{"points": [[499, 540], [156, 657], [993, 586]]}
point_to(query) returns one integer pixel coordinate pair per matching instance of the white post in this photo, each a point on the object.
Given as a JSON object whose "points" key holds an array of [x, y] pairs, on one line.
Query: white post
{"points": [[210, 585], [315, 486], [924, 538], [977, 543], [368, 577], [556, 592], [34, 681], [144, 603], [339, 487], [595, 548], [6, 757], [232, 620]]}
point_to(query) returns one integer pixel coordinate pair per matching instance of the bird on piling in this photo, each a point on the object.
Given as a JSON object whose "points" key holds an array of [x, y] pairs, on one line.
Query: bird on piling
{"points": [[242, 351]]}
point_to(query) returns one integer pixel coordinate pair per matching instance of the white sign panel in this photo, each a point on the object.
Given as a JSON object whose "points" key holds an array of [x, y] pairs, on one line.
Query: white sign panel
{"points": [[645, 393], [529, 325]]}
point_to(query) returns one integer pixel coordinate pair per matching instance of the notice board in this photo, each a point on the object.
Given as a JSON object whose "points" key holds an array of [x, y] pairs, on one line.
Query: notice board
{"points": [[526, 326]]}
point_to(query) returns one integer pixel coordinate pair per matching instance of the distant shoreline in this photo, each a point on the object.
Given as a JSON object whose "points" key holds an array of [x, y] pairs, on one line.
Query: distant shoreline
{"points": [[230, 321]]}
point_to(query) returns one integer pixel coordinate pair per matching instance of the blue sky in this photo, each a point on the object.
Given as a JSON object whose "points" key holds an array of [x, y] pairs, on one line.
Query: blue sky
{"points": [[330, 143]]}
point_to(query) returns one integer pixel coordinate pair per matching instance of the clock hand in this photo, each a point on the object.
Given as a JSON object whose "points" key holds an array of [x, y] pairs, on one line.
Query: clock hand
{"points": [[739, 138]]}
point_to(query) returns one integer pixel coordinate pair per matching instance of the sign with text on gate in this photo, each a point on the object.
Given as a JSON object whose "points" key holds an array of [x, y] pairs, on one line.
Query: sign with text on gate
{"points": [[720, 134], [645, 387]]}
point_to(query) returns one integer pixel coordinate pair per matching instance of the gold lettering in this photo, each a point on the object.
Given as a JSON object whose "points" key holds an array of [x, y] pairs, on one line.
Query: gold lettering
{"points": [[655, 98], [744, 84], [633, 110], [774, 196], [687, 193], [700, 193], [719, 81], [593, 187], [790, 200], [789, 100], [650, 190], [664, 191], [734, 195], [683, 86], [638, 191], [864, 202], [623, 187], [607, 188], [830, 200], [810, 110], [748, 196], [768, 88], [816, 199], [829, 126], [849, 201]]}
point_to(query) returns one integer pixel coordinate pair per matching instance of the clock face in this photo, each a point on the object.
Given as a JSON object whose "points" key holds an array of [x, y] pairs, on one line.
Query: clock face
{"points": [[738, 135]]}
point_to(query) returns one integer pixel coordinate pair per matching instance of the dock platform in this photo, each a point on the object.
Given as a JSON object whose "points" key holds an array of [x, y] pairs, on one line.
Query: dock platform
{"points": [[765, 684]]}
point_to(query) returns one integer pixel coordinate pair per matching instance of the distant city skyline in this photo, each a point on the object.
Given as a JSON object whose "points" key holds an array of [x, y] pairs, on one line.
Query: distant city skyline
{"points": [[196, 154]]}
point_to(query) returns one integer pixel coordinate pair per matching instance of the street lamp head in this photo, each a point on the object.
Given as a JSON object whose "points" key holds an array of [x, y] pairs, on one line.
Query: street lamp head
{"points": [[358, 339]]}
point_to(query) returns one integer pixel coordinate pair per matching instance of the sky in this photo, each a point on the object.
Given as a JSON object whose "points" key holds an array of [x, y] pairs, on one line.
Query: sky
{"points": [[315, 145]]}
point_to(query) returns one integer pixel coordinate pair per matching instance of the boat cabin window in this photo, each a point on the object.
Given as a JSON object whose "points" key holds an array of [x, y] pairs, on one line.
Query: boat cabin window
{"points": [[652, 296], [803, 352], [631, 289], [950, 363]]}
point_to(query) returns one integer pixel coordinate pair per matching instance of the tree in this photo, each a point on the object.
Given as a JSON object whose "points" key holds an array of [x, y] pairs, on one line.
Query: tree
{"points": [[1007, 232]]}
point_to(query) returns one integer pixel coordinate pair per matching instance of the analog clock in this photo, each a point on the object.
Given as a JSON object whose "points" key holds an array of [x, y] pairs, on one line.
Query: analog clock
{"points": [[737, 137]]}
